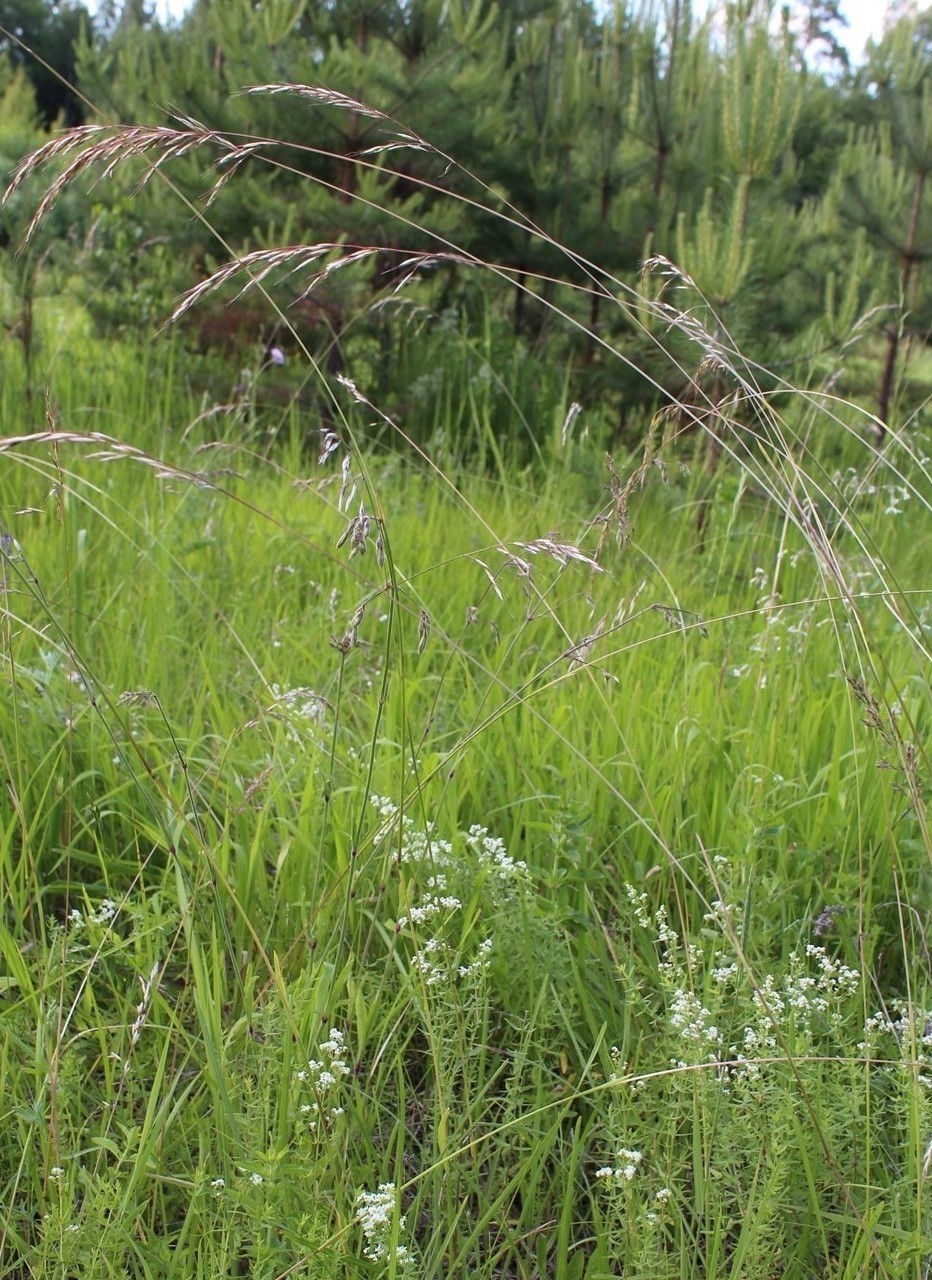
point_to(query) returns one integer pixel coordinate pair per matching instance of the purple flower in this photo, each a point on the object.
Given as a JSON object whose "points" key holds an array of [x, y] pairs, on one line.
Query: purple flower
{"points": [[9, 547], [276, 355]]}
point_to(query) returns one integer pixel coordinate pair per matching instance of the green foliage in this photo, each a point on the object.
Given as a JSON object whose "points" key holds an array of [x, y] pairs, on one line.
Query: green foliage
{"points": [[41, 38], [129, 276], [883, 181], [430, 847], [624, 135], [609, 132], [25, 271], [760, 101], [322, 957]]}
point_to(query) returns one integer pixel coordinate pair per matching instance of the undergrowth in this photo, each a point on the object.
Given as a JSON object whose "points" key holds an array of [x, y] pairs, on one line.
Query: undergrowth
{"points": [[416, 870]]}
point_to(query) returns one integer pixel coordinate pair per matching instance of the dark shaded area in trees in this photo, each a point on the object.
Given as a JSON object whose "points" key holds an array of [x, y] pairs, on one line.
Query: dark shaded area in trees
{"points": [[41, 37]]}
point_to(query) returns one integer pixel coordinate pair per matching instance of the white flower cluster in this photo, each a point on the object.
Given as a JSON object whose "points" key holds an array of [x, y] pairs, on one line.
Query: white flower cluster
{"points": [[481, 962], [429, 907], [909, 1025], [726, 973], [722, 914], [785, 1009], [435, 960], [638, 903], [673, 962], [298, 704], [105, 912], [626, 1167], [836, 981], [422, 845], [324, 1076], [218, 1185], [417, 845], [375, 1213], [492, 855], [793, 1005], [696, 1028]]}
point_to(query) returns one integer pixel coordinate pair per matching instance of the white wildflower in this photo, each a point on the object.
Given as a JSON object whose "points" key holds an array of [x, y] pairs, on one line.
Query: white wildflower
{"points": [[430, 907], [325, 1076], [693, 1023], [492, 854], [375, 1213], [628, 1161]]}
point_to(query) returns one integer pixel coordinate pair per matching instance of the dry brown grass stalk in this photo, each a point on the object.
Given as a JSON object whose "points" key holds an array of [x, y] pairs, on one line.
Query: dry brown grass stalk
{"points": [[109, 449], [93, 146]]}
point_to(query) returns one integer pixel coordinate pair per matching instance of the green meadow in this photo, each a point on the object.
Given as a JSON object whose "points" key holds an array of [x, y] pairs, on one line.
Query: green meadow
{"points": [[477, 871], [465, 642]]}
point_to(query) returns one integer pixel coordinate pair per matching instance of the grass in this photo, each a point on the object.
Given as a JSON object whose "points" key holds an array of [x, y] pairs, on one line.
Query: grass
{"points": [[256, 966], [505, 867]]}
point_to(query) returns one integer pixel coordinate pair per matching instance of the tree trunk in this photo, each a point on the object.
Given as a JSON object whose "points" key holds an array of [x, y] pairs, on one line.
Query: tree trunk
{"points": [[908, 263]]}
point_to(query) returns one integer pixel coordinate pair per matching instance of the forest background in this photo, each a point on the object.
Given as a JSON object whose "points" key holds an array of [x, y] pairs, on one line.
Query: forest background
{"points": [[790, 188]]}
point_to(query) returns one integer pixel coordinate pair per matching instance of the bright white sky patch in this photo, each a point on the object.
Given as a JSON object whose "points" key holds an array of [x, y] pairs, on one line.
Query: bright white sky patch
{"points": [[164, 9], [865, 22]]}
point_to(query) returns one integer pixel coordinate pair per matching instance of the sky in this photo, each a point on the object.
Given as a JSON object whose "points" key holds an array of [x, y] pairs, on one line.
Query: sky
{"points": [[865, 22], [865, 19], [165, 9]]}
